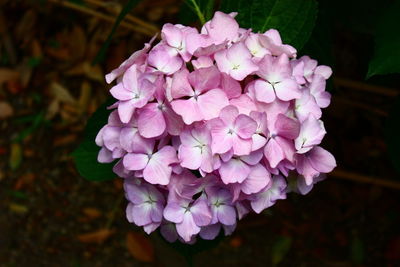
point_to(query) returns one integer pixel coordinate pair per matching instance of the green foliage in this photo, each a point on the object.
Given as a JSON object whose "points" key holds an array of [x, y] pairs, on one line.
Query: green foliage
{"points": [[386, 57], [280, 248], [357, 250], [294, 19], [188, 14], [85, 156], [125, 10]]}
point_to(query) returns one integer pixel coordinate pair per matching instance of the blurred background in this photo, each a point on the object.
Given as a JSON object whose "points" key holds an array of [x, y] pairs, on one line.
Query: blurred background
{"points": [[50, 216]]}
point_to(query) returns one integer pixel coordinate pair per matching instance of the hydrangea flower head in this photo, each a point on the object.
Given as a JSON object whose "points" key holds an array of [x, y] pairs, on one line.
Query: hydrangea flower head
{"points": [[213, 124]]}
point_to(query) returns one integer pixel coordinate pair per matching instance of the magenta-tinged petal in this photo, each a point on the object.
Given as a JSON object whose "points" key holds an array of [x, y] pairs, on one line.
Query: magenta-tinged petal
{"points": [[151, 227], [180, 86], [201, 213], [244, 104], [253, 158], [211, 103], [172, 35], [259, 141], [321, 160], [222, 27], [151, 122], [130, 79], [187, 228], [273, 152], [157, 212], [245, 126], [125, 110], [173, 212], [167, 155], [230, 86], [205, 78], [270, 195], [221, 141], [324, 71], [287, 127], [174, 121], [234, 171], [111, 137], [228, 115], [264, 91], [188, 109], [258, 179]]}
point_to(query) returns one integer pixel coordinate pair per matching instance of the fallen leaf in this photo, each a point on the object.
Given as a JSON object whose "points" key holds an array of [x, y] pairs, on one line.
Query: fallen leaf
{"points": [[17, 208], [92, 213], [8, 75], [6, 110], [24, 180], [15, 156], [86, 68], [62, 94], [140, 247], [98, 236], [84, 97], [64, 140]]}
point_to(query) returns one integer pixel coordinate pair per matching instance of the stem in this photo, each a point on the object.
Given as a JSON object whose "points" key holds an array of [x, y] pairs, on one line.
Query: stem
{"points": [[198, 12]]}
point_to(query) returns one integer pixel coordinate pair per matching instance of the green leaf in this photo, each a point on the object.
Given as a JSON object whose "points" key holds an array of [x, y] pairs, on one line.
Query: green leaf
{"points": [[293, 19], [85, 156], [125, 10], [188, 15], [386, 57], [357, 250], [392, 130], [280, 248]]}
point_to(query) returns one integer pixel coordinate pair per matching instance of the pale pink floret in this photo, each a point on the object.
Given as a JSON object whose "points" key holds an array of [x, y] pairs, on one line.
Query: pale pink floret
{"points": [[312, 131], [277, 80], [236, 61], [272, 41], [155, 165], [232, 130], [133, 92], [205, 98], [175, 36]]}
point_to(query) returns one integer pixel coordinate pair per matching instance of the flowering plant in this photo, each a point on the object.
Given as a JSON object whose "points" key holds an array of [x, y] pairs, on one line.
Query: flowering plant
{"points": [[209, 126]]}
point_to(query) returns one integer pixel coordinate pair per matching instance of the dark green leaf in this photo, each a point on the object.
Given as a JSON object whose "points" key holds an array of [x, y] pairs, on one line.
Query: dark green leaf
{"points": [[125, 10], [386, 57], [293, 19], [357, 250], [187, 13], [280, 248], [85, 156]]}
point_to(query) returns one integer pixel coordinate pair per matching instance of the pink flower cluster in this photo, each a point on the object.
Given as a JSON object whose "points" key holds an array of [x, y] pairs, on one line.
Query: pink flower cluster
{"points": [[208, 126]]}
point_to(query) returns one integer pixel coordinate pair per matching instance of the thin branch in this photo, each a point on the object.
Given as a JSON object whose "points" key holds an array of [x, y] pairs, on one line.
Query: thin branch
{"points": [[360, 178], [128, 17], [361, 86], [103, 17]]}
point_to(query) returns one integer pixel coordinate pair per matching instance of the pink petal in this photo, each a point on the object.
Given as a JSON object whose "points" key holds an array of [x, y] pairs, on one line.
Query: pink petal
{"points": [[273, 152], [125, 110], [140, 214], [211, 103], [230, 86], [173, 212], [226, 214], [258, 179], [135, 162], [157, 172], [119, 92], [130, 79], [190, 157], [321, 160], [180, 86], [234, 171], [188, 109], [151, 122], [201, 213], [264, 91], [287, 127], [245, 126], [241, 146], [287, 90], [205, 78], [105, 156], [187, 228]]}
